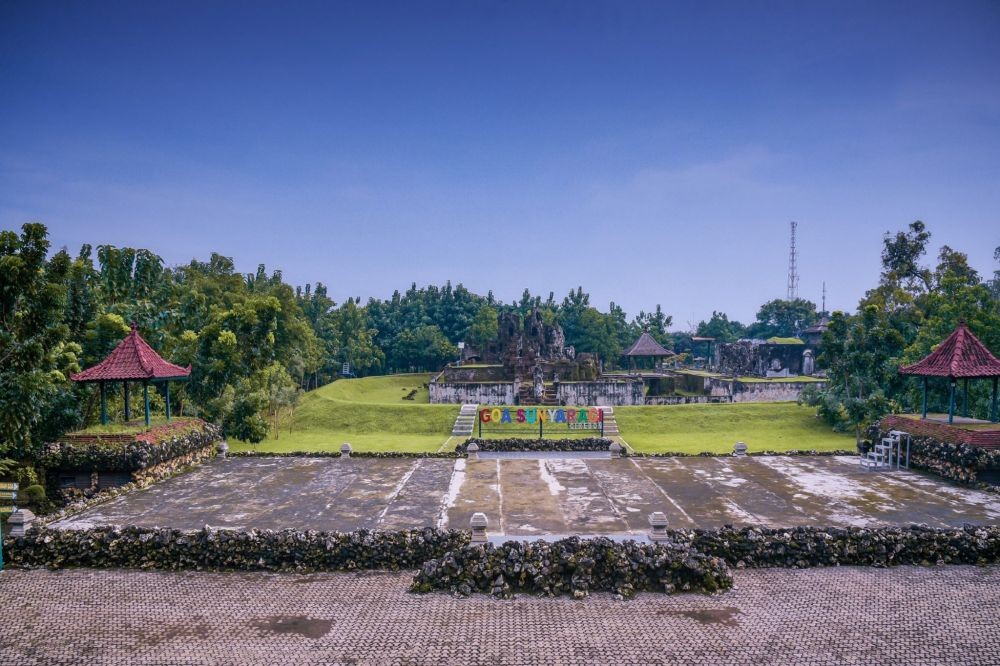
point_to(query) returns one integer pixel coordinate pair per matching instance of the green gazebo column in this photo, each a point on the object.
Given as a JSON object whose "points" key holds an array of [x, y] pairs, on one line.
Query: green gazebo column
{"points": [[168, 400], [145, 399], [128, 405], [994, 410], [951, 400], [924, 415], [965, 397], [104, 405]]}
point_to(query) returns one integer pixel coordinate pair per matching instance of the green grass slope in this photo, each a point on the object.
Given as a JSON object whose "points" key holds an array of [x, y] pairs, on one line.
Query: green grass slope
{"points": [[775, 426], [370, 413]]}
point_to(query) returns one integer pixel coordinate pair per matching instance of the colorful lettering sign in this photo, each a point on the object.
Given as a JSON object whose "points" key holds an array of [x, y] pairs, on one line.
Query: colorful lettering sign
{"points": [[576, 418]]}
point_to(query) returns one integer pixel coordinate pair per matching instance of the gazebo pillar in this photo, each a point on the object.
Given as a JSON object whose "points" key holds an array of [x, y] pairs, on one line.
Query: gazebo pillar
{"points": [[104, 405], [128, 405], [993, 414], [168, 400], [145, 399], [924, 413], [951, 399]]}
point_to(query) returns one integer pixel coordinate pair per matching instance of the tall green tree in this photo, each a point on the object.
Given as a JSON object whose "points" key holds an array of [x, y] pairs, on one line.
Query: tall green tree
{"points": [[36, 357], [485, 327], [721, 328], [783, 318]]}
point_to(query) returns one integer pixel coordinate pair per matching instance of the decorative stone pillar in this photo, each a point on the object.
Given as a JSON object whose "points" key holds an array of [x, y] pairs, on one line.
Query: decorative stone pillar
{"points": [[739, 449], [658, 527], [345, 450], [472, 451], [223, 449], [616, 450], [478, 524], [20, 522]]}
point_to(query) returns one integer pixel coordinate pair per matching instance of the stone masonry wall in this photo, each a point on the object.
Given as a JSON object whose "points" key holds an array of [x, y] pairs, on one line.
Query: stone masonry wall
{"points": [[611, 393], [478, 393]]}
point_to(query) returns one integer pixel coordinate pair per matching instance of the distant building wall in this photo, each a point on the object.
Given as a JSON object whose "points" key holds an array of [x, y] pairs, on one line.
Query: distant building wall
{"points": [[610, 393], [772, 391], [495, 393]]}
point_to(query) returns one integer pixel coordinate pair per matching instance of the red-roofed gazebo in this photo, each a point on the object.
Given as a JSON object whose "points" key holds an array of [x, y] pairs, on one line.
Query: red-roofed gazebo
{"points": [[133, 360], [960, 356]]}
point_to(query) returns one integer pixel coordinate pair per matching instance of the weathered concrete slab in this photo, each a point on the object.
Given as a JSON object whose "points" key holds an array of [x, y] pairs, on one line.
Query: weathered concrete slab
{"points": [[533, 497]]}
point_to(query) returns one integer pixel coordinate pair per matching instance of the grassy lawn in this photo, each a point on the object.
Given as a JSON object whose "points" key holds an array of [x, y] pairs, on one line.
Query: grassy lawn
{"points": [[776, 426], [370, 413]]}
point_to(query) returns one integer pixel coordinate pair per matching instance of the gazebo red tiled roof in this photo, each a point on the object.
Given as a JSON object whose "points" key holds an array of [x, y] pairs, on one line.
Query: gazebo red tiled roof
{"points": [[647, 346], [960, 355], [132, 360]]}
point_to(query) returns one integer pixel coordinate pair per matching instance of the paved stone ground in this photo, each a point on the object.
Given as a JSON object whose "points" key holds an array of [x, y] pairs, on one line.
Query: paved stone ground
{"points": [[530, 497], [906, 615]]}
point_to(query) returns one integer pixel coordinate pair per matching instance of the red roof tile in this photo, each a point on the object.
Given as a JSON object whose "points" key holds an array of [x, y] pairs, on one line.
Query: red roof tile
{"points": [[132, 359], [960, 355]]}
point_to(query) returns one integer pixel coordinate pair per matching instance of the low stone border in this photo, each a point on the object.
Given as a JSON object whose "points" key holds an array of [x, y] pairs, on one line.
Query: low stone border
{"points": [[802, 547], [522, 444], [130, 456], [573, 567], [229, 550], [956, 461]]}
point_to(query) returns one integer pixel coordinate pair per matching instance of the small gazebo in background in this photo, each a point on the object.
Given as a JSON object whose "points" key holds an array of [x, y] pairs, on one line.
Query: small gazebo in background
{"points": [[960, 356], [133, 360], [646, 347]]}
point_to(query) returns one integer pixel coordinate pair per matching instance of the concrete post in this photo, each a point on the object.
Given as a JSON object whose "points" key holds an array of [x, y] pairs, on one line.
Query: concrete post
{"points": [[739, 449], [616, 450], [20, 522], [657, 527], [478, 525], [223, 448], [345, 450], [472, 451]]}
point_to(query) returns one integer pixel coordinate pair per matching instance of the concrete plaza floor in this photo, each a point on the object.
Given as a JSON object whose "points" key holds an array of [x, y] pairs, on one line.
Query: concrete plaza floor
{"points": [[841, 615], [544, 496]]}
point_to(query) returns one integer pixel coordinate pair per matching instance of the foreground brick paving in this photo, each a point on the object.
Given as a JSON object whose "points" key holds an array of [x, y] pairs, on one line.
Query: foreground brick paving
{"points": [[906, 615]]}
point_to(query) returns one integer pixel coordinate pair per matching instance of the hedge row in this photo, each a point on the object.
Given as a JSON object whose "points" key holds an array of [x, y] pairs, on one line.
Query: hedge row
{"points": [[229, 550], [802, 547], [521, 444], [573, 567], [126, 456], [956, 461]]}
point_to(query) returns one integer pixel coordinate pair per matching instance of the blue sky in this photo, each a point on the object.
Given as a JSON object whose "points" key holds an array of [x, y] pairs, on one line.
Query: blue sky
{"points": [[652, 152]]}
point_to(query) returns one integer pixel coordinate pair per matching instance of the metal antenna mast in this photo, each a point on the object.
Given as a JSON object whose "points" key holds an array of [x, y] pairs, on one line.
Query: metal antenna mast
{"points": [[793, 275], [824, 298]]}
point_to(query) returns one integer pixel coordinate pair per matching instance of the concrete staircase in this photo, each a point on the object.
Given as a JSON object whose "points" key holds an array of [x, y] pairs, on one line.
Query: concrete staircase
{"points": [[610, 425], [465, 421], [526, 396]]}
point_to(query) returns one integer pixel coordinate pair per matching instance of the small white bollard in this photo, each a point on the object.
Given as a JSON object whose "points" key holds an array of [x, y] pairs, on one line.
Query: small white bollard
{"points": [[472, 451], [478, 524], [20, 522], [345, 450], [223, 449], [739, 449], [658, 527], [615, 449]]}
